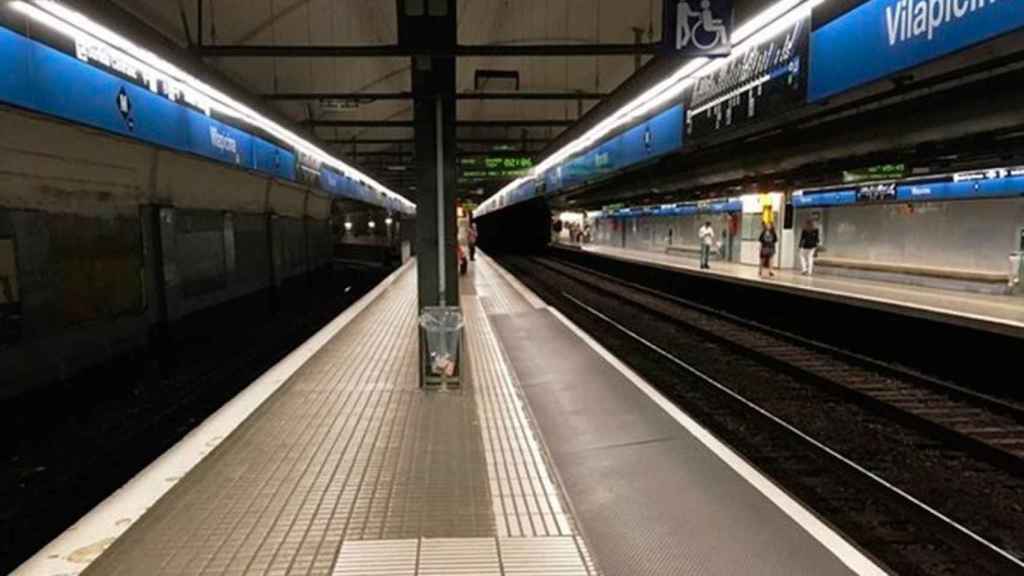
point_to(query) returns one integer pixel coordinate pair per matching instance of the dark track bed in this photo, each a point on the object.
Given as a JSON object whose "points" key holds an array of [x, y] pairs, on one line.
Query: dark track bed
{"points": [[68, 447]]}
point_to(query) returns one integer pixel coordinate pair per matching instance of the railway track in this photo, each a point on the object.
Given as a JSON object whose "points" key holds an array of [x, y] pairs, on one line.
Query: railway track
{"points": [[918, 472], [988, 426]]}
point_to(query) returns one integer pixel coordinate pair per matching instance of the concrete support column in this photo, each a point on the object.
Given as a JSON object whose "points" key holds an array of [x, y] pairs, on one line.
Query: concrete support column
{"points": [[155, 277], [274, 261], [169, 258], [433, 25]]}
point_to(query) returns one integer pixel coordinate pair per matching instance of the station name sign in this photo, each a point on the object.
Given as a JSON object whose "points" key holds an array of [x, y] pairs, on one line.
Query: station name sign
{"points": [[883, 37], [98, 54], [909, 19]]}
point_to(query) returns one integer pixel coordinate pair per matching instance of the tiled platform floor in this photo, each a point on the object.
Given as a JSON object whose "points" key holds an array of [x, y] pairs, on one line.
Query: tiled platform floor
{"points": [[655, 493], [350, 468]]}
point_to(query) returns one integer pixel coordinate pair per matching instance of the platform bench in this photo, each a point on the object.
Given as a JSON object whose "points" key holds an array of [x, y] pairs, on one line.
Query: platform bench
{"points": [[915, 270]]}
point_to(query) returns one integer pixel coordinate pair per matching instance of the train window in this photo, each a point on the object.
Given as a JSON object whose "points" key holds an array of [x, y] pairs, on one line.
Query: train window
{"points": [[8, 273], [10, 310], [438, 8], [413, 7]]}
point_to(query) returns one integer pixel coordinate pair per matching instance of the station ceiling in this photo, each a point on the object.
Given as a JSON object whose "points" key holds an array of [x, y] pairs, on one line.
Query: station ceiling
{"points": [[366, 93]]}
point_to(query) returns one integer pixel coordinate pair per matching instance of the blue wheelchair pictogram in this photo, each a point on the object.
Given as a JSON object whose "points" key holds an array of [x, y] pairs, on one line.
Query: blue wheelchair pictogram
{"points": [[699, 29]]}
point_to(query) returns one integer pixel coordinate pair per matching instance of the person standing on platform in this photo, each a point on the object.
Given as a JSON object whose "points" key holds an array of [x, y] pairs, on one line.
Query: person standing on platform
{"points": [[810, 239], [768, 239], [706, 234], [472, 240], [462, 240]]}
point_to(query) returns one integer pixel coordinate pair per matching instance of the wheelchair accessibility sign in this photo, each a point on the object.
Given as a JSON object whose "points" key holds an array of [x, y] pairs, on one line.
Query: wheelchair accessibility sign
{"points": [[698, 27]]}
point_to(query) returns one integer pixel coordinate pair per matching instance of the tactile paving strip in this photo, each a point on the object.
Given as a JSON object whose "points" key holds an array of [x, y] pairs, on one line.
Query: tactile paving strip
{"points": [[489, 285], [525, 498], [378, 558], [547, 556]]}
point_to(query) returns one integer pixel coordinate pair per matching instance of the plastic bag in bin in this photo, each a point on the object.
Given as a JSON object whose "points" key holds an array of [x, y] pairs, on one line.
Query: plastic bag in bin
{"points": [[443, 327]]}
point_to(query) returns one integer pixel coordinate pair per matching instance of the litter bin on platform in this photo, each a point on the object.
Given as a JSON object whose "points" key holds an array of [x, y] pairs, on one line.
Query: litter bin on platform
{"points": [[442, 339]]}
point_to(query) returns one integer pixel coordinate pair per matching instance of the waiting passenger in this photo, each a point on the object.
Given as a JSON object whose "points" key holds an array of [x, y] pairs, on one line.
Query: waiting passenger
{"points": [[472, 240], [768, 239], [707, 240], [810, 239]]}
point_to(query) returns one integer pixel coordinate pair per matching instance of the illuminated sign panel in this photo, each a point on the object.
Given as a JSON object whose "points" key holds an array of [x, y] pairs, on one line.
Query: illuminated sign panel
{"points": [[494, 167], [74, 68], [878, 172], [766, 79], [882, 37], [993, 183]]}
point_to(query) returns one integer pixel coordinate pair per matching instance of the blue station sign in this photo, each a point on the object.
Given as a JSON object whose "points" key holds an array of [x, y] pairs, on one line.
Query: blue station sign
{"points": [[81, 81], [882, 37], [997, 183]]}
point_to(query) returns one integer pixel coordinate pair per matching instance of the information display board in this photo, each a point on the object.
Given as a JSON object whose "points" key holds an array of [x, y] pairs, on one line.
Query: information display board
{"points": [[765, 80]]}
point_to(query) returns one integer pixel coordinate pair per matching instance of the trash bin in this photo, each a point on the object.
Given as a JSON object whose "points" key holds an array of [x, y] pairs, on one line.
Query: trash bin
{"points": [[442, 329]]}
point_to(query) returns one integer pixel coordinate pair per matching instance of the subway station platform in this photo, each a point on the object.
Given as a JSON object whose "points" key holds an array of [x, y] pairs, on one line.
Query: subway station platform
{"points": [[552, 457], [994, 313]]}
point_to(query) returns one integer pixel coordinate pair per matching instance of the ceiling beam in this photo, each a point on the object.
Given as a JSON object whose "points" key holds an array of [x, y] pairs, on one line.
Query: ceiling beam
{"points": [[292, 96], [411, 155], [568, 95], [360, 123], [460, 124], [395, 51], [509, 140], [514, 123]]}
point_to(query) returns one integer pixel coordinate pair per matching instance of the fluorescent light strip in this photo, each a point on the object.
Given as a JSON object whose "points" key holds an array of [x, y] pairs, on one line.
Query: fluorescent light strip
{"points": [[759, 28], [73, 24]]}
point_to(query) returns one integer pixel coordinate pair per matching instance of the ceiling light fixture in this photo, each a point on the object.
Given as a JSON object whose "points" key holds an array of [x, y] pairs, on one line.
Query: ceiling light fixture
{"points": [[759, 28]]}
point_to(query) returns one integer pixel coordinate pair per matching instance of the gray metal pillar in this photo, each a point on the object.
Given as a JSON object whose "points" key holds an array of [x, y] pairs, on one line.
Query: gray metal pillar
{"points": [[431, 24]]}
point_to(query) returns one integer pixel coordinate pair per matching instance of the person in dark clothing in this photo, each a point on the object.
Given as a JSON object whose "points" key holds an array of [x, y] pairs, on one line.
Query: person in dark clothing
{"points": [[810, 239], [472, 240], [768, 239]]}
